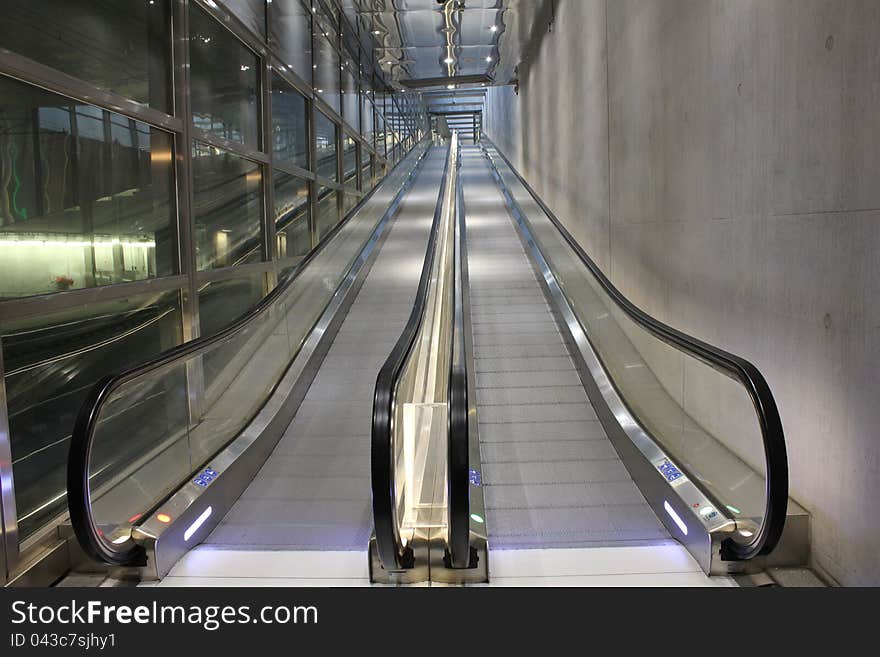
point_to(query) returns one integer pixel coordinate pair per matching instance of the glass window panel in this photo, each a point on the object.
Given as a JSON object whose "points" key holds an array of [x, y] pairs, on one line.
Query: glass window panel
{"points": [[228, 208], [225, 82], [290, 133], [366, 177], [291, 215], [380, 135], [348, 203], [327, 73], [366, 117], [350, 100], [349, 160], [325, 146], [290, 34], [222, 302], [328, 211], [121, 46], [51, 362], [250, 12], [86, 196]]}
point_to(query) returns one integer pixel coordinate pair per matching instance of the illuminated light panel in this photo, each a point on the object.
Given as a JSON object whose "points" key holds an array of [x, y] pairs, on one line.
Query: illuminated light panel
{"points": [[193, 528], [675, 517], [164, 518], [76, 243], [477, 518]]}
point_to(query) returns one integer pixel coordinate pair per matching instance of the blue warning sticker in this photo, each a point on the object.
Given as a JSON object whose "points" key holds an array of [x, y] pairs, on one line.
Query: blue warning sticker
{"points": [[669, 471]]}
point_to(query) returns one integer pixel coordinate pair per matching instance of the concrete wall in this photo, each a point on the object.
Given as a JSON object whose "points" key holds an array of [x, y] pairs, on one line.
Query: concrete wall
{"points": [[720, 160]]}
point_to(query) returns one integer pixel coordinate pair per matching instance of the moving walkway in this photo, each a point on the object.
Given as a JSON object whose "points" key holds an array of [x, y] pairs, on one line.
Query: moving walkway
{"points": [[510, 396]]}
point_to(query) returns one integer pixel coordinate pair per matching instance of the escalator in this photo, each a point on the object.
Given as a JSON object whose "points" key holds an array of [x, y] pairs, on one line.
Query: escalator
{"points": [[256, 436], [448, 378], [589, 423]]}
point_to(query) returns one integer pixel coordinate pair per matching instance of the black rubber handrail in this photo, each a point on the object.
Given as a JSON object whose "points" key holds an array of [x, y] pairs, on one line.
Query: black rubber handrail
{"points": [[735, 367], [393, 554], [88, 535], [458, 439]]}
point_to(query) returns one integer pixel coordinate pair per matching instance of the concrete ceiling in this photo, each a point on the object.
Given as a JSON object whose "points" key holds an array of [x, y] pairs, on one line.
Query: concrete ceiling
{"points": [[432, 45]]}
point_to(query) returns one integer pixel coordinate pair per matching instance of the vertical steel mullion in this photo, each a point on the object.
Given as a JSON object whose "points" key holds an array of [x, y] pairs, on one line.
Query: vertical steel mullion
{"points": [[269, 240], [9, 552], [184, 169], [340, 130], [313, 146], [195, 380]]}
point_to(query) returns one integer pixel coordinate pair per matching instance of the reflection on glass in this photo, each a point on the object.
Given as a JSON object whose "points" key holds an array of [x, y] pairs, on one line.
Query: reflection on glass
{"points": [[379, 135], [51, 362], [222, 302], [366, 117], [123, 48], [350, 100], [349, 160], [228, 208], [290, 33], [326, 71], [328, 211], [291, 215], [366, 178], [290, 132], [348, 203], [325, 146], [225, 83], [250, 12], [86, 195]]}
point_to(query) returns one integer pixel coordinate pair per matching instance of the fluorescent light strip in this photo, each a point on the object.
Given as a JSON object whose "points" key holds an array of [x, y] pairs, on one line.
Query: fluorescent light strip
{"points": [[76, 243], [193, 528], [674, 516]]}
